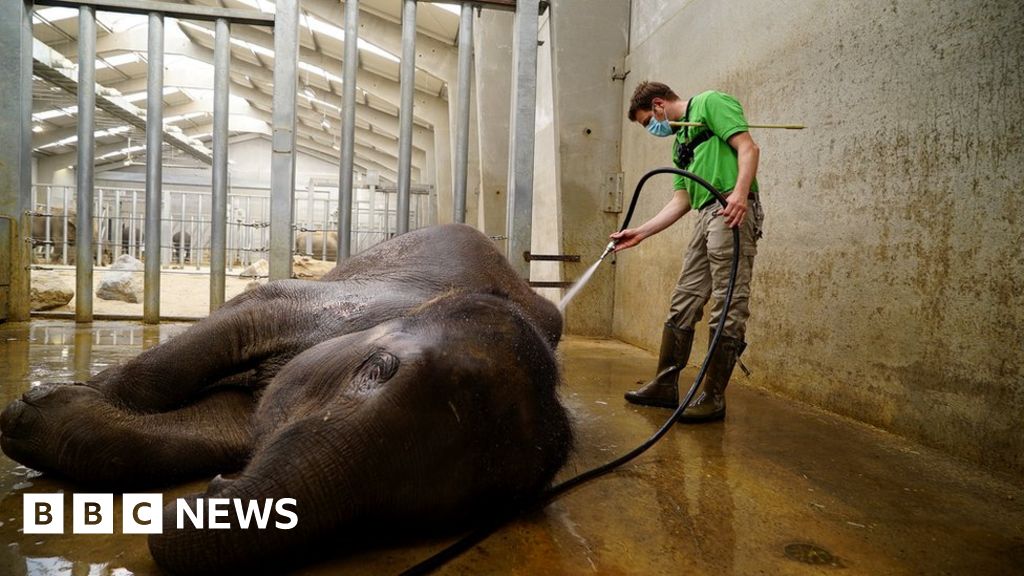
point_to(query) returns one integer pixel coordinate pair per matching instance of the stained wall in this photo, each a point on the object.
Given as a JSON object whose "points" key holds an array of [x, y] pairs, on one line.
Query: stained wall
{"points": [[888, 285]]}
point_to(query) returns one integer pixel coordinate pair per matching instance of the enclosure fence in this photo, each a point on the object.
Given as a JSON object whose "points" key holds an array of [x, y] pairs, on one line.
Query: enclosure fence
{"points": [[119, 223]]}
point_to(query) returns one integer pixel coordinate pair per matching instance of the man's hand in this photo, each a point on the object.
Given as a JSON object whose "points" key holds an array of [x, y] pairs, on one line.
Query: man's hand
{"points": [[735, 210], [626, 239]]}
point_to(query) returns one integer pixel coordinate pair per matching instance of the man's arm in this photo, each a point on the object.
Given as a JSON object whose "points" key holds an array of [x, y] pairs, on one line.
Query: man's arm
{"points": [[673, 210], [747, 156]]}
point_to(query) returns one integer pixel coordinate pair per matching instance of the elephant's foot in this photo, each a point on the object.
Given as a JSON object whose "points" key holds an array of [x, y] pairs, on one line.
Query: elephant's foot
{"points": [[74, 431], [57, 428]]}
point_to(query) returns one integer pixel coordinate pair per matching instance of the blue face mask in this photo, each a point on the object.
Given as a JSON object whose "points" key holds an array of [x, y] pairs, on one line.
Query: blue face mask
{"points": [[660, 128]]}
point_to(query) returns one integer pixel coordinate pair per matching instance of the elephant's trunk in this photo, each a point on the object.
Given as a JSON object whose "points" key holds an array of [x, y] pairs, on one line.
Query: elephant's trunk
{"points": [[301, 502]]}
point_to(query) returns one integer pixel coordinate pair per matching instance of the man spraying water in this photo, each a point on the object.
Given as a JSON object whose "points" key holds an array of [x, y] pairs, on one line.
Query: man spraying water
{"points": [[713, 142]]}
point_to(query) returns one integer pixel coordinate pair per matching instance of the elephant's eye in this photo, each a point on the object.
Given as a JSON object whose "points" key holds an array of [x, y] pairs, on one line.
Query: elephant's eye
{"points": [[378, 368]]}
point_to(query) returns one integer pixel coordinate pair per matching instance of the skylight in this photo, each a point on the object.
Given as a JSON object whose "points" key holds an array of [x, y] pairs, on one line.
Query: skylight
{"points": [[69, 111], [453, 8]]}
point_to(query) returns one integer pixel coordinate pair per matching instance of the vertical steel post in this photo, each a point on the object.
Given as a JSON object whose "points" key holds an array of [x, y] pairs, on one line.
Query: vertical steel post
{"points": [[154, 168], [348, 130], [519, 220], [48, 248], [86, 147], [116, 227], [309, 218], [101, 229], [282, 161], [64, 222], [219, 201], [134, 228], [462, 106], [16, 158], [407, 79]]}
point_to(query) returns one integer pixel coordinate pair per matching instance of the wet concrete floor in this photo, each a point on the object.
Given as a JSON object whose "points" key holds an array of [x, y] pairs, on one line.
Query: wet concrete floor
{"points": [[777, 488]]}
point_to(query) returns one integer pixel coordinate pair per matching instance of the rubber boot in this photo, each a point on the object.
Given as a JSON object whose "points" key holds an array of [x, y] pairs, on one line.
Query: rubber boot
{"points": [[663, 391], [709, 405]]}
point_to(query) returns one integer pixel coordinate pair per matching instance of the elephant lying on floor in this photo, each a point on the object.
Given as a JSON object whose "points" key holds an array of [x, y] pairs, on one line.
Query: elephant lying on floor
{"points": [[413, 386]]}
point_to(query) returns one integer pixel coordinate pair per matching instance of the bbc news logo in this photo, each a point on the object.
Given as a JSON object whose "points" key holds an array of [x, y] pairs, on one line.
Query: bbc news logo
{"points": [[143, 513]]}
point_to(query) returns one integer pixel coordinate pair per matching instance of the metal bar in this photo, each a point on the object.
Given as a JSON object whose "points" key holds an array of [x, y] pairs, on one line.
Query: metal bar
{"points": [[48, 248], [154, 168], [519, 220], [117, 228], [101, 228], [497, 4], [462, 130], [551, 257], [219, 202], [550, 284], [407, 86], [64, 222], [198, 237], [133, 228], [348, 130], [170, 9], [309, 217], [325, 227], [190, 247], [16, 198], [86, 145], [282, 161], [180, 255]]}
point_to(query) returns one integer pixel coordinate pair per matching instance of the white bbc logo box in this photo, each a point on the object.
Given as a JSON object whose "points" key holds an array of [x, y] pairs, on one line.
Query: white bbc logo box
{"points": [[92, 514]]}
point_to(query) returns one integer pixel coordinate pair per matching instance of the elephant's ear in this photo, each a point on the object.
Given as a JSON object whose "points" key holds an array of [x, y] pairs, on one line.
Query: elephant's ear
{"points": [[376, 370]]}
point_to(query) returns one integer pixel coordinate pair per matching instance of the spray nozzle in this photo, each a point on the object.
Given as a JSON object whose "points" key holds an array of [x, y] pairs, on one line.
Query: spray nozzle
{"points": [[608, 249]]}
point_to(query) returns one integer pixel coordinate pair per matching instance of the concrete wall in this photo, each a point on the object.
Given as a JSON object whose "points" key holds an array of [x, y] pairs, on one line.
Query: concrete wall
{"points": [[888, 286], [588, 43], [493, 79]]}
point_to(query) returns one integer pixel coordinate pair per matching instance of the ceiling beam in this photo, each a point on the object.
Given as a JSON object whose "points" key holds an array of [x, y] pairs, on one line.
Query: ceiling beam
{"points": [[171, 9], [44, 60], [432, 56]]}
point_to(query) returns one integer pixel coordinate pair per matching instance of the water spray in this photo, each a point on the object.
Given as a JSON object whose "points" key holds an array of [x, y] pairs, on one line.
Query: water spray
{"points": [[584, 279]]}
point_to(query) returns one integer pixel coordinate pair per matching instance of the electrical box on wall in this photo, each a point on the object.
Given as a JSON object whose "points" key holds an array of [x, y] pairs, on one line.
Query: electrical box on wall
{"points": [[613, 192]]}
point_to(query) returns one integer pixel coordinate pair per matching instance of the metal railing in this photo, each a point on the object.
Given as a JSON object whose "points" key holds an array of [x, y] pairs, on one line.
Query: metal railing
{"points": [[119, 226]]}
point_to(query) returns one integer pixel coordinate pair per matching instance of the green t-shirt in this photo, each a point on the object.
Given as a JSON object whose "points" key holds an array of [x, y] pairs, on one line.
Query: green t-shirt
{"points": [[713, 160]]}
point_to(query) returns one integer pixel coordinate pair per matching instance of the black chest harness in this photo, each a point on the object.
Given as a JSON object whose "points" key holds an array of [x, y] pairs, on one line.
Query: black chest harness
{"points": [[682, 152]]}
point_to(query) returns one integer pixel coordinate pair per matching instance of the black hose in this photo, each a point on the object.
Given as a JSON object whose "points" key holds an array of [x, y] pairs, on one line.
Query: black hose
{"points": [[480, 533]]}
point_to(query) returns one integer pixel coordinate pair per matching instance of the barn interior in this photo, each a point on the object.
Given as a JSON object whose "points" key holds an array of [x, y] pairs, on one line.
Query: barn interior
{"points": [[163, 157]]}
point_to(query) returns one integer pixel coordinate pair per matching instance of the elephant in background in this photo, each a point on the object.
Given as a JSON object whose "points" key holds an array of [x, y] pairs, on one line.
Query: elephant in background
{"points": [[318, 244], [413, 388], [177, 245], [56, 236], [131, 242]]}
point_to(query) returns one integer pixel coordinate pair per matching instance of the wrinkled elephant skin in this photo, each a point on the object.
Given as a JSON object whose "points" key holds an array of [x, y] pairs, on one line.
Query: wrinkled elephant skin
{"points": [[413, 387]]}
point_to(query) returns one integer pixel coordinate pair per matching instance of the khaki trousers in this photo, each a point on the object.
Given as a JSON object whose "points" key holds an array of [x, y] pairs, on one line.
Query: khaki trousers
{"points": [[706, 268]]}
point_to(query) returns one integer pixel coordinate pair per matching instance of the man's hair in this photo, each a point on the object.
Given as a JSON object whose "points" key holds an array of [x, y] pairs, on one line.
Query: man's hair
{"points": [[645, 93]]}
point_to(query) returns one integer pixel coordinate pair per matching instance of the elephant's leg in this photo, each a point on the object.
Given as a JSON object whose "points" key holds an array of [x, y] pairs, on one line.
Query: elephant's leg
{"points": [[253, 334], [74, 431]]}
